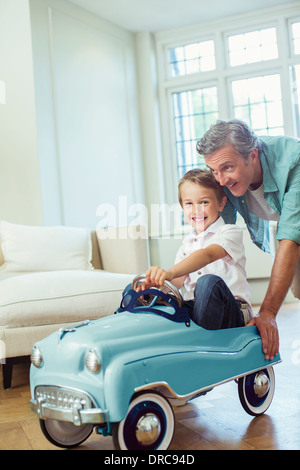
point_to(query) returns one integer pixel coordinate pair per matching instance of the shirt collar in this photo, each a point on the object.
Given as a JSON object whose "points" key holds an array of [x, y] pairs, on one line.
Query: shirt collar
{"points": [[213, 228], [268, 180]]}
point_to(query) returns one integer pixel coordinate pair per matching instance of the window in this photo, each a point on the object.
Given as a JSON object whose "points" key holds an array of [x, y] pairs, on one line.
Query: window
{"points": [[194, 111], [256, 46], [197, 57], [296, 37], [246, 68], [257, 101]]}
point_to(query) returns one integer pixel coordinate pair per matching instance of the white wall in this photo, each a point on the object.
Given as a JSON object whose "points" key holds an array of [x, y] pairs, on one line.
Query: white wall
{"points": [[20, 191], [87, 113]]}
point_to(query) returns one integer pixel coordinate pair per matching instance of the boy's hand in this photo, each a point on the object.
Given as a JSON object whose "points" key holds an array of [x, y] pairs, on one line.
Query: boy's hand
{"points": [[144, 285], [157, 276]]}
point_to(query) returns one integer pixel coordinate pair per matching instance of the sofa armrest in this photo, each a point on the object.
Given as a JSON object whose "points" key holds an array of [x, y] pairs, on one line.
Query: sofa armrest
{"points": [[124, 249], [1, 255]]}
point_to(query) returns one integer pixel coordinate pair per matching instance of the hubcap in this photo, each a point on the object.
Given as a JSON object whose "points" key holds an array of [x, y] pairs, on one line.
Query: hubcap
{"points": [[147, 429], [261, 384]]}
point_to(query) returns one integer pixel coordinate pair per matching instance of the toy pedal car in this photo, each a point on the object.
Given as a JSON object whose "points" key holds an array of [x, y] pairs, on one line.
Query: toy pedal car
{"points": [[120, 375]]}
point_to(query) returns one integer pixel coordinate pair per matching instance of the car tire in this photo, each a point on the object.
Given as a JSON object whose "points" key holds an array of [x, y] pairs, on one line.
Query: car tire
{"points": [[148, 425], [65, 435], [256, 391]]}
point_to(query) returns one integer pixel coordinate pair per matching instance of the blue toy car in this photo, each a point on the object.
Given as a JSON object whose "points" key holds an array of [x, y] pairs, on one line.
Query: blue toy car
{"points": [[120, 375]]}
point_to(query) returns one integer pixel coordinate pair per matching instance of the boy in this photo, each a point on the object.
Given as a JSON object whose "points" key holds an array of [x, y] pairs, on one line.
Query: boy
{"points": [[210, 264]]}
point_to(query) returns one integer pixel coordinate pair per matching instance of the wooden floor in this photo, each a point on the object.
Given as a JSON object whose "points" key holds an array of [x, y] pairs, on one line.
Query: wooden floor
{"points": [[216, 421]]}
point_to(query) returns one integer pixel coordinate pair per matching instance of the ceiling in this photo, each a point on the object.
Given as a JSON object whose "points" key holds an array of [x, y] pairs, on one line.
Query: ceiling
{"points": [[158, 15]]}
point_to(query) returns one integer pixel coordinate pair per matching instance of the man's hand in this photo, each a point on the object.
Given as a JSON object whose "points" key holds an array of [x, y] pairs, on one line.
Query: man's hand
{"points": [[283, 270], [268, 330]]}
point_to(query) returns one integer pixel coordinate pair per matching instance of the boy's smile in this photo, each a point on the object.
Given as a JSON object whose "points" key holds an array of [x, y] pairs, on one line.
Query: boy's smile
{"points": [[200, 205]]}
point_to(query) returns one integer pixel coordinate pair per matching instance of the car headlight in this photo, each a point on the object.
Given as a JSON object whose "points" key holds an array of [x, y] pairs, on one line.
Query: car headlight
{"points": [[92, 361], [36, 357]]}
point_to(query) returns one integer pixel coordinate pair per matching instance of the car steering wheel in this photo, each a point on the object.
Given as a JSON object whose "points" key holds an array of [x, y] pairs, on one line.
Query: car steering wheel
{"points": [[168, 288]]}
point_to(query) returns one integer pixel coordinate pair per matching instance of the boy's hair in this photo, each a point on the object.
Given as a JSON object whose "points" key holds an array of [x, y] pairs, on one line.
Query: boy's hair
{"points": [[203, 178]]}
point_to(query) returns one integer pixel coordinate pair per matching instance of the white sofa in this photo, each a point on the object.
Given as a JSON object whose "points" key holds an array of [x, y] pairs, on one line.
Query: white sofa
{"points": [[53, 276]]}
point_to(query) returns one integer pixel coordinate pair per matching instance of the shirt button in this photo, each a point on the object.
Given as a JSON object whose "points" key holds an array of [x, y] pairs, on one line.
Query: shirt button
{"points": [[243, 201]]}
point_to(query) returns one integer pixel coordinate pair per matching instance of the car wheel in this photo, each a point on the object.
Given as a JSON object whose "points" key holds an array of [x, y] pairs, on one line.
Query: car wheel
{"points": [[256, 391], [148, 425], [63, 434]]}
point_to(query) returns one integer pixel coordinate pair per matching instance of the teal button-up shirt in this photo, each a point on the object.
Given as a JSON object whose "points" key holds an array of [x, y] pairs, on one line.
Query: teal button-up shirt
{"points": [[280, 160]]}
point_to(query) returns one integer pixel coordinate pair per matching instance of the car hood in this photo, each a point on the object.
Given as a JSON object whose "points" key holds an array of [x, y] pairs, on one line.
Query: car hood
{"points": [[133, 331]]}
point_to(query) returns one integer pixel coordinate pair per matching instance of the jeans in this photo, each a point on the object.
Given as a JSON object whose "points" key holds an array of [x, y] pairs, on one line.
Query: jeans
{"points": [[214, 306]]}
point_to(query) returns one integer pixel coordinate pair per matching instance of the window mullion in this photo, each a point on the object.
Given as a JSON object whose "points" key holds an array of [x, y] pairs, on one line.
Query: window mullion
{"points": [[222, 65], [288, 58]]}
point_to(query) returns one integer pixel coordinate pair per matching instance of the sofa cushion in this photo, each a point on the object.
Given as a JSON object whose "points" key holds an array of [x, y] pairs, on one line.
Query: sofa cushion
{"points": [[59, 297], [34, 248]]}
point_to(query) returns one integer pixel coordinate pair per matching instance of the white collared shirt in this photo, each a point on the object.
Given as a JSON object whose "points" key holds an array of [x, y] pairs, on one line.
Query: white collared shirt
{"points": [[231, 268]]}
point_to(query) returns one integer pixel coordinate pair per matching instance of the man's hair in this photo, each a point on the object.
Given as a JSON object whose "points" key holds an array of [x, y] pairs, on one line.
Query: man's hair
{"points": [[203, 178], [235, 133]]}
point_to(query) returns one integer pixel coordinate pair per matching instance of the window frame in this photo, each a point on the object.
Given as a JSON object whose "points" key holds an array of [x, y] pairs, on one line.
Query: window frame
{"points": [[281, 18], [295, 19], [258, 27], [182, 43], [254, 75], [171, 91], [170, 76]]}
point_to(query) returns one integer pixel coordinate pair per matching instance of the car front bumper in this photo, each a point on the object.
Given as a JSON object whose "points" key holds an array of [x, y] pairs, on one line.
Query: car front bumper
{"points": [[67, 404]]}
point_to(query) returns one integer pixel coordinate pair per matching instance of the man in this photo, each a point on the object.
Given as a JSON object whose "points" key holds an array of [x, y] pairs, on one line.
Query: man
{"points": [[261, 178]]}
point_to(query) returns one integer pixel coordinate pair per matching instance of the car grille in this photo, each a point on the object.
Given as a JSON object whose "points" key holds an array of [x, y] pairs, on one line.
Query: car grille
{"points": [[61, 397]]}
